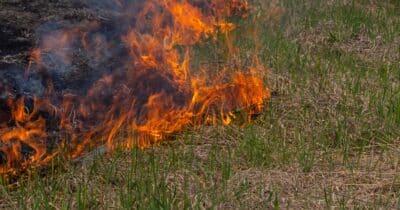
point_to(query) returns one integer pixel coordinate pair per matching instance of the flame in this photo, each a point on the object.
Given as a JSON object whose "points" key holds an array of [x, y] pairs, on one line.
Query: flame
{"points": [[151, 94]]}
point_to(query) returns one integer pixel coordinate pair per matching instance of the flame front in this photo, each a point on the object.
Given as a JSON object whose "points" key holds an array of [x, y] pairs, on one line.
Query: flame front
{"points": [[145, 91]]}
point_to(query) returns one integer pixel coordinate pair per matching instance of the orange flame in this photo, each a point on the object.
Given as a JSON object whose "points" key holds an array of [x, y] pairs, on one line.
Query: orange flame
{"points": [[152, 95]]}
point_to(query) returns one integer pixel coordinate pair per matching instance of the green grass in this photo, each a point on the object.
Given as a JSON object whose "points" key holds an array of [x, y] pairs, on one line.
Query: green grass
{"points": [[329, 137]]}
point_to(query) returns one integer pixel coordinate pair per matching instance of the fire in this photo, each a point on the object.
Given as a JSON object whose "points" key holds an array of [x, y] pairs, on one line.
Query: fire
{"points": [[141, 90]]}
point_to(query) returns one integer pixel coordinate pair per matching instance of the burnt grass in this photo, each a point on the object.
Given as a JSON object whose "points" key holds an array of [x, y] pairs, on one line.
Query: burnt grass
{"points": [[329, 137], [22, 24], [43, 19], [20, 20]]}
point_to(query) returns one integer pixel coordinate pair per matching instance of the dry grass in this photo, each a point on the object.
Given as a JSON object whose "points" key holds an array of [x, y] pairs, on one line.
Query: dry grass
{"points": [[329, 138]]}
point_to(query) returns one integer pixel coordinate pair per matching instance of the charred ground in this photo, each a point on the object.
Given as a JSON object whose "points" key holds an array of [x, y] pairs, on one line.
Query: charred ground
{"points": [[329, 139], [22, 24], [20, 20]]}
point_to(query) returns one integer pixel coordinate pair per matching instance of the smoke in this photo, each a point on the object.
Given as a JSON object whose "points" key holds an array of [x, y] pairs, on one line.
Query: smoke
{"points": [[14, 83], [126, 71]]}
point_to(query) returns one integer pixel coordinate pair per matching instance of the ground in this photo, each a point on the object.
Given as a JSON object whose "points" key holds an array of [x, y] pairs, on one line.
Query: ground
{"points": [[329, 137]]}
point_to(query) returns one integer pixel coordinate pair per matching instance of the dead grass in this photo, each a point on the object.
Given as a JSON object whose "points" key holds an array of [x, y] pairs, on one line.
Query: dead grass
{"points": [[329, 138]]}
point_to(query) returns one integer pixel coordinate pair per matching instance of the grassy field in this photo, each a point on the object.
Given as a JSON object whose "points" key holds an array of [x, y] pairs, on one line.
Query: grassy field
{"points": [[329, 137]]}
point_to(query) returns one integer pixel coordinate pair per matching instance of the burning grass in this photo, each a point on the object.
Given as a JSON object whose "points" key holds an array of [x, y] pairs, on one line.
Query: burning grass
{"points": [[136, 82], [329, 137]]}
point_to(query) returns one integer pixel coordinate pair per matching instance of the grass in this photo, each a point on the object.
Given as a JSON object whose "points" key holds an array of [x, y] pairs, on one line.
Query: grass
{"points": [[329, 137]]}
